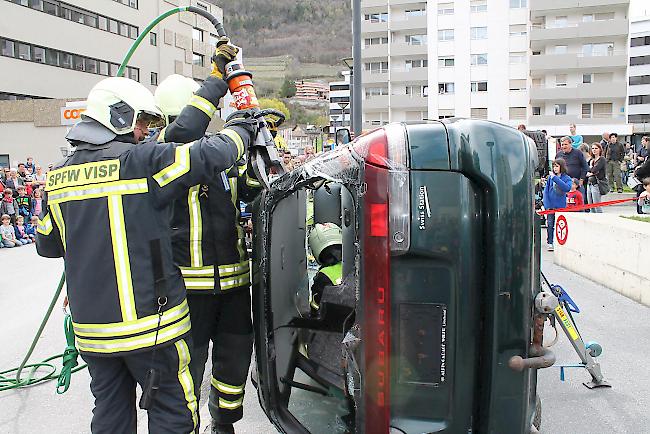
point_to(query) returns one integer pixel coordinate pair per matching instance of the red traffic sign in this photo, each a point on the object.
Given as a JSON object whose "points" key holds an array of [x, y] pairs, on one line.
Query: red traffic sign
{"points": [[561, 230]]}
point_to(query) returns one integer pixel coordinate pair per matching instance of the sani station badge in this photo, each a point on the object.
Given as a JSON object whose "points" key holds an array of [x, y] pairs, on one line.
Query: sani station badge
{"points": [[424, 209]]}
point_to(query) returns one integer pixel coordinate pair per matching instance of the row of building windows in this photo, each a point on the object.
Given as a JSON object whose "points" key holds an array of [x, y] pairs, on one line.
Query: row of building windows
{"points": [[81, 16], [639, 119], [62, 59], [639, 60], [8, 96], [639, 99], [595, 110], [640, 41], [641, 79], [443, 9], [444, 62]]}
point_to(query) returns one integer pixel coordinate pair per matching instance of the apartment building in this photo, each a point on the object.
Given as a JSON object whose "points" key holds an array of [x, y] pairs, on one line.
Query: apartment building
{"points": [[638, 114], [52, 51], [578, 66], [440, 59], [339, 108]]}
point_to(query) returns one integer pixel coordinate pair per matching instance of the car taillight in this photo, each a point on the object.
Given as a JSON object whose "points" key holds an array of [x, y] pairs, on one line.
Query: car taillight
{"points": [[386, 232]]}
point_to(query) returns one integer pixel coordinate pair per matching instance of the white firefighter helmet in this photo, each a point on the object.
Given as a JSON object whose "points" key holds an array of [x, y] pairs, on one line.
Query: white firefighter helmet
{"points": [[173, 93], [322, 236], [117, 102]]}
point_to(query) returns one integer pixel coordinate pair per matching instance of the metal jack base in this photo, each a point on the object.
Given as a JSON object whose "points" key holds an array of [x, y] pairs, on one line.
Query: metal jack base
{"points": [[594, 385]]}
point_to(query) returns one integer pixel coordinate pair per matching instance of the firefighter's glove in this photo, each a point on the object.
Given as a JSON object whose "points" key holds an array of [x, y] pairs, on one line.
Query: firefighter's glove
{"points": [[213, 89], [223, 54], [244, 119]]}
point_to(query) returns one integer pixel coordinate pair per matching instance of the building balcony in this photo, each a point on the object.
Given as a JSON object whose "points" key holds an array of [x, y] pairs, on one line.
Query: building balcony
{"points": [[375, 103], [540, 8], [402, 49], [539, 36], [408, 102], [375, 51], [564, 62], [369, 77], [578, 120], [415, 74], [411, 23], [404, 2], [584, 91], [369, 27]]}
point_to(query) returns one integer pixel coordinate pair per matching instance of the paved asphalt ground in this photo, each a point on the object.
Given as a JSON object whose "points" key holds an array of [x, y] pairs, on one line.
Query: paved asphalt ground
{"points": [[619, 324]]}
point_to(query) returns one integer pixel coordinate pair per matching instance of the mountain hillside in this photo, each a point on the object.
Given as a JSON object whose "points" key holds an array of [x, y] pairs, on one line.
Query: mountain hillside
{"points": [[312, 31]]}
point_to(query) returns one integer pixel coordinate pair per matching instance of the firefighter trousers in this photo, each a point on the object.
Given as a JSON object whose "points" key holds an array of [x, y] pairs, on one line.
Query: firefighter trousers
{"points": [[225, 320], [113, 383]]}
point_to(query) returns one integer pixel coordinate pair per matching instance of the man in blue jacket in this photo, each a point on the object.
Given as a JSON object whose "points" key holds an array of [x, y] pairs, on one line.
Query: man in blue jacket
{"points": [[558, 185], [576, 165]]}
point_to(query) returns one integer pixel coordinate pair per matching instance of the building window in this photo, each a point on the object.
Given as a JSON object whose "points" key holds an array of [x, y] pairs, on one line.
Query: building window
{"points": [[597, 110], [560, 49], [377, 67], [444, 88], [478, 86], [586, 111], [154, 79], [131, 3], [604, 16], [417, 90], [518, 85], [560, 80], [444, 62], [153, 39], [202, 6], [24, 51], [479, 113], [560, 109], [516, 4], [446, 35], [417, 39], [381, 17], [642, 79], [416, 12], [639, 60], [518, 30], [560, 22], [479, 59], [197, 34], [197, 59], [376, 91], [640, 41], [337, 87], [7, 96], [445, 8], [639, 119], [133, 73], [517, 113], [478, 6], [79, 15], [537, 111], [587, 78], [639, 99], [372, 41], [476, 33], [519, 57], [416, 63], [587, 18], [602, 49]]}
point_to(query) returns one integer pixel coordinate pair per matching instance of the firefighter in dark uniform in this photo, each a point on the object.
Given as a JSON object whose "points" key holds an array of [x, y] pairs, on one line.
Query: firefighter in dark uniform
{"points": [[209, 248], [325, 242], [107, 215]]}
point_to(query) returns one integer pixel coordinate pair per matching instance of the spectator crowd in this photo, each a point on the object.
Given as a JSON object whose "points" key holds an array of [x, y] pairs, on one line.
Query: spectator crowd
{"points": [[583, 174], [21, 189]]}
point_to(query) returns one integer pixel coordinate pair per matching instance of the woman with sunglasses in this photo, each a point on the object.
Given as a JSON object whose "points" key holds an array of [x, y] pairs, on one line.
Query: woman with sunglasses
{"points": [[597, 170]]}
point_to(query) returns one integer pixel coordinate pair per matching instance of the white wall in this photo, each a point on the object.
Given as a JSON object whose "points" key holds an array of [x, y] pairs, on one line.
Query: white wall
{"points": [[21, 140], [610, 250]]}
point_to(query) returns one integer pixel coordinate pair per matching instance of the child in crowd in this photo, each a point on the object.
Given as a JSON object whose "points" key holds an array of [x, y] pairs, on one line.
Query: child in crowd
{"points": [[37, 203], [644, 197], [24, 202], [8, 205], [21, 232], [574, 197], [31, 227], [7, 233]]}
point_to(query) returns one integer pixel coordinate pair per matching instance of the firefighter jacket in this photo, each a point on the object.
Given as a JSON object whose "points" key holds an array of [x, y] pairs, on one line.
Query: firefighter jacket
{"points": [[330, 275], [208, 241], [107, 215]]}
